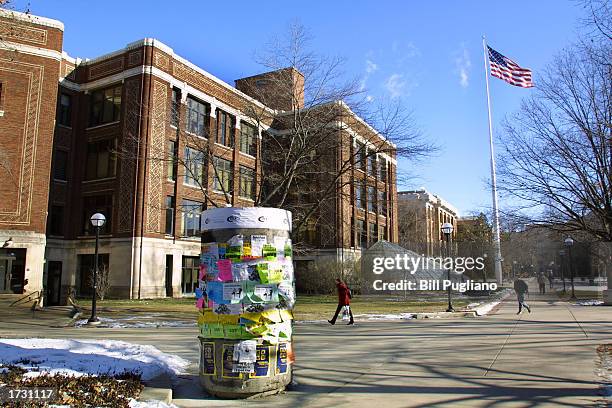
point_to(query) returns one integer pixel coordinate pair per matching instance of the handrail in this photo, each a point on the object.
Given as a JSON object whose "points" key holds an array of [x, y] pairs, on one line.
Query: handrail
{"points": [[31, 296]]}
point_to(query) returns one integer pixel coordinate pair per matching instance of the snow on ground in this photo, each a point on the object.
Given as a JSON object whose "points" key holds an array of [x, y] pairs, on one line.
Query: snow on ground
{"points": [[144, 321], [138, 322], [150, 404], [590, 302], [390, 316], [82, 357]]}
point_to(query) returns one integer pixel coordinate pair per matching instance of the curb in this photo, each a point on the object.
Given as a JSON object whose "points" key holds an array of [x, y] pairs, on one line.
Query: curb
{"points": [[158, 388]]}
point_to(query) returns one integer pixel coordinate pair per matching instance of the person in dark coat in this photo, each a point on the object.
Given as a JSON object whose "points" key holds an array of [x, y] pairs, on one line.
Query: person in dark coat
{"points": [[521, 288], [344, 299], [542, 283]]}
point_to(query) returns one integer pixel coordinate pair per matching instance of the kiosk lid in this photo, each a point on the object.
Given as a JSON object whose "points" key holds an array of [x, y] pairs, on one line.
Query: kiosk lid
{"points": [[247, 217]]}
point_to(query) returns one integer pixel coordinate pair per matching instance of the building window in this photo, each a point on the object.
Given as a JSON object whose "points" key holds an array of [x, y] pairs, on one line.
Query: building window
{"points": [[382, 203], [373, 235], [226, 128], [56, 220], [170, 207], [60, 165], [64, 110], [197, 117], [97, 204], [189, 281], [194, 167], [383, 170], [372, 199], [223, 175], [105, 106], [172, 159], [101, 159], [360, 151], [248, 139], [360, 231], [191, 220], [382, 233], [176, 107], [372, 164], [247, 183], [360, 198]]}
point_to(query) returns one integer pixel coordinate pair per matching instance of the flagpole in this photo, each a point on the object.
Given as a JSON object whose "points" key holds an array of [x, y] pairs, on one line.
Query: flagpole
{"points": [[496, 233]]}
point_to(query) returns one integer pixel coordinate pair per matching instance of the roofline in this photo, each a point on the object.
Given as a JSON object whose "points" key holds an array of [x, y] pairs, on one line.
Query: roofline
{"points": [[155, 43], [443, 202], [32, 19], [342, 104]]}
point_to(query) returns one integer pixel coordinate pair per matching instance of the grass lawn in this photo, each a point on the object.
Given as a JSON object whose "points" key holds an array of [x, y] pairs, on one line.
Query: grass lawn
{"points": [[308, 307], [580, 294]]}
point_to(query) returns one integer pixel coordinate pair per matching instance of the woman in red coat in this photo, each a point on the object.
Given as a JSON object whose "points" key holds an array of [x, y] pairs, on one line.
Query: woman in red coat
{"points": [[344, 299]]}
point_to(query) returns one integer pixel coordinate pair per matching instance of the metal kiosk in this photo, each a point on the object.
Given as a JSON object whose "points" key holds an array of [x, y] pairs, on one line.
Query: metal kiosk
{"points": [[245, 299]]}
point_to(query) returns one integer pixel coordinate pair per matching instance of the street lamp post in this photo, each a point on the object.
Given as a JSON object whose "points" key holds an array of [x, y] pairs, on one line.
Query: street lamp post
{"points": [[513, 270], [97, 220], [569, 242], [447, 230], [561, 263]]}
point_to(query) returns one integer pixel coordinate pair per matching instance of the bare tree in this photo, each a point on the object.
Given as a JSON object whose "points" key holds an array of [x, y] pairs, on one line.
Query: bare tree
{"points": [[557, 150], [102, 281], [308, 158]]}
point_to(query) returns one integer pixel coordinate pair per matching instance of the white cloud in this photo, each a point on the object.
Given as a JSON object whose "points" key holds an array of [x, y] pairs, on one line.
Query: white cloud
{"points": [[369, 98], [395, 85], [463, 64], [371, 66]]}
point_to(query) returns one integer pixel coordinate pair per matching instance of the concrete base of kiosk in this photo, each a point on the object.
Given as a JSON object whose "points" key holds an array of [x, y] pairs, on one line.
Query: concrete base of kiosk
{"points": [[217, 378]]}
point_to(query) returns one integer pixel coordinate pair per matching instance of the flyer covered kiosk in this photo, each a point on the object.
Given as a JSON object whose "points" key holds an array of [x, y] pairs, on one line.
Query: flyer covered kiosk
{"points": [[245, 300]]}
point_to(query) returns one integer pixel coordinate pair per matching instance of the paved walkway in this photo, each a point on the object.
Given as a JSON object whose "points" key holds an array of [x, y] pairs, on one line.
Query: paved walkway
{"points": [[546, 358]]}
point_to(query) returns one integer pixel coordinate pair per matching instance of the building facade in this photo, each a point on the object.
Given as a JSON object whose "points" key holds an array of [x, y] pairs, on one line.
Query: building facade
{"points": [[150, 140], [30, 55], [421, 217]]}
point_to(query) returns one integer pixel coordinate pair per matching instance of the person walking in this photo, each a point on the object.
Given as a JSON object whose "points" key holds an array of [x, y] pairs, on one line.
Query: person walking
{"points": [[542, 283], [521, 288], [344, 299], [551, 277]]}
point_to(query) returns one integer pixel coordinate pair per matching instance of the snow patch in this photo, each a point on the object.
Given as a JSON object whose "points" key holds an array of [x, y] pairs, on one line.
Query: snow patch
{"points": [[590, 302], [93, 357], [149, 404], [390, 316], [128, 324]]}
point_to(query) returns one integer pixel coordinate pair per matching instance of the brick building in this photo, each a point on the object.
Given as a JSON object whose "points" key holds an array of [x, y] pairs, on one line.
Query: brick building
{"points": [[150, 140], [421, 217]]}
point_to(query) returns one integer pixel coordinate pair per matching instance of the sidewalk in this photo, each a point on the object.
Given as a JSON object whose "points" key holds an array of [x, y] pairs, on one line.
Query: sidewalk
{"points": [[545, 358]]}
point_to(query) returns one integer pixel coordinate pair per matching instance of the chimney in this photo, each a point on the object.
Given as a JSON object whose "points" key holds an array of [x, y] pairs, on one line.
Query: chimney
{"points": [[282, 89]]}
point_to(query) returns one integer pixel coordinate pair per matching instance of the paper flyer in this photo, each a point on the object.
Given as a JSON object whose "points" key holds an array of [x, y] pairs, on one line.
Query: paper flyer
{"points": [[262, 362], [257, 244], [207, 356], [245, 351], [240, 272], [267, 293], [269, 252], [228, 362], [222, 250], [224, 270], [281, 359], [233, 292], [279, 244]]}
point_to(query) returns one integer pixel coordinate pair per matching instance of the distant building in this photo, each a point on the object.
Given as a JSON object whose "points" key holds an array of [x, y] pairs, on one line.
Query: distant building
{"points": [[421, 215]]}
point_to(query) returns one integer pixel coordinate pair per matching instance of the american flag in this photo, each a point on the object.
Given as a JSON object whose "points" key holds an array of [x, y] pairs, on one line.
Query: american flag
{"points": [[508, 70]]}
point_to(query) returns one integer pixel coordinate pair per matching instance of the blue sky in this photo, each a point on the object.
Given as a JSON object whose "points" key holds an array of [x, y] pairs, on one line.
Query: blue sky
{"points": [[428, 53]]}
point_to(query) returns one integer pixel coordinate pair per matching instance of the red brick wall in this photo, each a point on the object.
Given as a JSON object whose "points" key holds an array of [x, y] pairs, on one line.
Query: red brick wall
{"points": [[29, 90]]}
